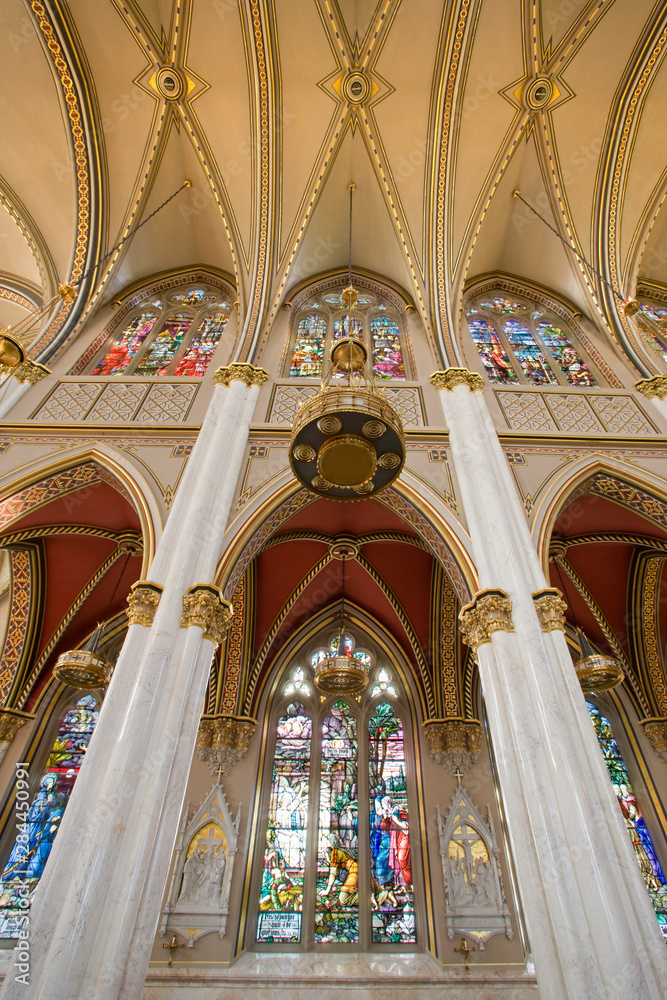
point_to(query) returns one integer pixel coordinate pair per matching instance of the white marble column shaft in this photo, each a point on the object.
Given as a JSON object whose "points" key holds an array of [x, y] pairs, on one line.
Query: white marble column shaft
{"points": [[96, 910], [592, 928]]}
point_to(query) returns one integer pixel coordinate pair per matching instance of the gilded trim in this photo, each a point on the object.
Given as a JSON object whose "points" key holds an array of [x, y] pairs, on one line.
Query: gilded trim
{"points": [[143, 602], [653, 388], [489, 611], [550, 608], [240, 372], [204, 605], [452, 377]]}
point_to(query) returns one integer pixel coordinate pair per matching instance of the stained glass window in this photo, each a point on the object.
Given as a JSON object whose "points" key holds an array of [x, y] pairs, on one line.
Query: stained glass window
{"points": [[491, 352], [285, 852], [126, 345], [200, 350], [38, 825], [562, 351], [387, 354], [347, 326], [393, 917], [634, 821], [337, 893], [528, 354], [194, 297], [164, 347], [309, 347]]}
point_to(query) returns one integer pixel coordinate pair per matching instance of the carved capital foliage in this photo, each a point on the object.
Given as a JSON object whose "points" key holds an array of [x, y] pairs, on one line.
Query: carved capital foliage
{"points": [[452, 377], [223, 740], [143, 602], [240, 372], [656, 730], [489, 611], [11, 721], [550, 608], [652, 388], [27, 371], [454, 743], [205, 606]]}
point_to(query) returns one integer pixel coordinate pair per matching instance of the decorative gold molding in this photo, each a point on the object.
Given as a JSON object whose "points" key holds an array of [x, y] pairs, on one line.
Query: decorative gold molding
{"points": [[11, 721], [653, 388], [143, 602], [223, 740], [489, 611], [205, 606], [656, 731], [238, 371], [27, 371], [452, 377], [454, 742], [550, 608]]}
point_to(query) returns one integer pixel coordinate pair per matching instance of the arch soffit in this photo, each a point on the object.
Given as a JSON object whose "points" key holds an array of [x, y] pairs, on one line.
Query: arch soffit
{"points": [[271, 512], [571, 478], [102, 458]]}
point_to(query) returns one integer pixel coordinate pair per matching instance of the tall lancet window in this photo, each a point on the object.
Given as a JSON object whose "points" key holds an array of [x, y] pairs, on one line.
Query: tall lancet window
{"points": [[39, 822], [641, 839], [338, 837]]}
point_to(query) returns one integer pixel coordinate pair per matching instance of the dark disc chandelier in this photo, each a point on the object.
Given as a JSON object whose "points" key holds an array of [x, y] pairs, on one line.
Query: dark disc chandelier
{"points": [[347, 440]]}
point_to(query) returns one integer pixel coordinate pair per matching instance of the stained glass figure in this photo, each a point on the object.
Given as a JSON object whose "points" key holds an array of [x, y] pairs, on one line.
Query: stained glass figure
{"points": [[528, 354], [503, 306], [337, 894], [491, 352], [309, 347], [164, 347], [200, 350], [386, 348], [564, 354], [392, 901], [126, 345], [634, 821], [285, 854], [37, 832], [347, 326]]}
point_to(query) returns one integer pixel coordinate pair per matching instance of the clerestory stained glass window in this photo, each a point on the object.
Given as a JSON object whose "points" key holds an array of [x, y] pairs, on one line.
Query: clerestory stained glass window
{"points": [[349, 871], [641, 839], [38, 824], [176, 336], [519, 343], [309, 347]]}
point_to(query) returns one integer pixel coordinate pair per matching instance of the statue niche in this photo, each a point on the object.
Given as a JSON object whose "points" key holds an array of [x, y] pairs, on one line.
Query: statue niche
{"points": [[198, 901], [476, 906]]}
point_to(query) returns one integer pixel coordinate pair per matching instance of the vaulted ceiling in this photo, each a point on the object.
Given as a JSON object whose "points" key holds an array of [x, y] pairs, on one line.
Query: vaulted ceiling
{"points": [[436, 110]]}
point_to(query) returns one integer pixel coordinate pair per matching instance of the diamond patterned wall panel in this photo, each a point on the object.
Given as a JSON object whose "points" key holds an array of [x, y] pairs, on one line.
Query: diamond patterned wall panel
{"points": [[166, 403], [69, 402]]}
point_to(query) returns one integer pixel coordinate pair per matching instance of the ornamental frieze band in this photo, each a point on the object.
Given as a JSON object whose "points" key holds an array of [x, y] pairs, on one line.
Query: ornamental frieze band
{"points": [[489, 611], [205, 606]]}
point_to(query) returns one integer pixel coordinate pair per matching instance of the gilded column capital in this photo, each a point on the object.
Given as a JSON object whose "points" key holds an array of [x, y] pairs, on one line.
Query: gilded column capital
{"points": [[26, 371], [143, 601], [238, 371], [489, 611], [223, 740], [205, 606], [452, 377], [653, 388], [550, 608], [656, 731], [11, 720], [454, 743]]}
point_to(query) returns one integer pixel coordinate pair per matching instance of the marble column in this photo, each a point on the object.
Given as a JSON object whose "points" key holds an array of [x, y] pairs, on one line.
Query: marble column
{"points": [[592, 929], [96, 910], [19, 380]]}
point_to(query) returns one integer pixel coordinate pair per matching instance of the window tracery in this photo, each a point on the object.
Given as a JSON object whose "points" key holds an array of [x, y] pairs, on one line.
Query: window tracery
{"points": [[335, 873], [38, 825], [323, 319], [522, 343], [172, 335], [649, 865]]}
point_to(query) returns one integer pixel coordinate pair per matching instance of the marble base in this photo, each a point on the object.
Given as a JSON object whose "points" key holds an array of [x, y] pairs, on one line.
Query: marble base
{"points": [[272, 976]]}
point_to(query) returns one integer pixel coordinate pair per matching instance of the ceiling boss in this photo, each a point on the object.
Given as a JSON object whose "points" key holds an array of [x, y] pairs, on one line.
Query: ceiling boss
{"points": [[347, 440]]}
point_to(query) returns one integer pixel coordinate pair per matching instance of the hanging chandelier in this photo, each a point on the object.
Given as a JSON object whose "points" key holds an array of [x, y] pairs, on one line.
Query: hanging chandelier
{"points": [[341, 673], [595, 671], [90, 667], [347, 440]]}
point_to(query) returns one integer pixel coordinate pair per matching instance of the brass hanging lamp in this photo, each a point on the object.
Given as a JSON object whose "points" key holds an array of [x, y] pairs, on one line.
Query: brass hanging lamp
{"points": [[90, 667], [595, 671], [341, 673], [347, 440]]}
